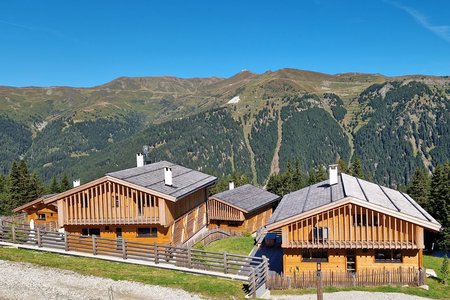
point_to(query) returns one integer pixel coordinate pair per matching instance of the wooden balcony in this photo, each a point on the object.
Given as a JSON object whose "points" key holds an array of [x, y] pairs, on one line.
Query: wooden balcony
{"points": [[120, 221], [350, 245]]}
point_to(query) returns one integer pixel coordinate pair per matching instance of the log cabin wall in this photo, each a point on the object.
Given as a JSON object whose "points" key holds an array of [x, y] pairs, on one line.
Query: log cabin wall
{"points": [[352, 226]]}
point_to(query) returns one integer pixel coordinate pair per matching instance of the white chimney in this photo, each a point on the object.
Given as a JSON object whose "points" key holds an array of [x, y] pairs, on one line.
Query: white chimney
{"points": [[231, 185], [139, 160], [333, 170], [76, 182], [168, 176]]}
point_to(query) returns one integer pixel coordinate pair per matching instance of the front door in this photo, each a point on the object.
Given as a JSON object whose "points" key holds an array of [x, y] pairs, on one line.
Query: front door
{"points": [[351, 261]]}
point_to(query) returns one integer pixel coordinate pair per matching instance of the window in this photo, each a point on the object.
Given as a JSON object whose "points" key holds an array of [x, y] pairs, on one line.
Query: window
{"points": [[233, 224], [90, 231], [309, 255], [388, 256], [320, 233], [147, 232], [41, 217], [117, 201]]}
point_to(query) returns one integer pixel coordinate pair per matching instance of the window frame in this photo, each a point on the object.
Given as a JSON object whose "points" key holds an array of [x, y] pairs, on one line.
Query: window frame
{"points": [[152, 232], [390, 258], [321, 257]]}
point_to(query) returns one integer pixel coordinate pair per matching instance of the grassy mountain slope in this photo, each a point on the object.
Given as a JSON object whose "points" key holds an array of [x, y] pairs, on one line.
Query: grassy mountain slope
{"points": [[393, 124]]}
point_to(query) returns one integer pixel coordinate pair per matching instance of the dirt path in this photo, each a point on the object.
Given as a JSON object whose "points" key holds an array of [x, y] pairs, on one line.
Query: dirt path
{"points": [[352, 295], [27, 281]]}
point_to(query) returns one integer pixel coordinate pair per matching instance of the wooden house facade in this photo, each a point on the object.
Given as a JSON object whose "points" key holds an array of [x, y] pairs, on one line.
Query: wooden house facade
{"points": [[349, 224], [42, 215], [160, 202], [246, 208]]}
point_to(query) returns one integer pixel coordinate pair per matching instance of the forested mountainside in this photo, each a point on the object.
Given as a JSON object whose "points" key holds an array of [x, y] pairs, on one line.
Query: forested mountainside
{"points": [[394, 124]]}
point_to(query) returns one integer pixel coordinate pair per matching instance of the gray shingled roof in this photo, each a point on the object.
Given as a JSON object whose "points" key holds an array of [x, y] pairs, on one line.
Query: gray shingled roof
{"points": [[151, 176], [322, 193], [247, 197]]}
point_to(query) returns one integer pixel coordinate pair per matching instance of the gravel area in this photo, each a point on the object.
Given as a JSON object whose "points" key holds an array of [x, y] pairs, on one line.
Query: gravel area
{"points": [[27, 281], [355, 295]]}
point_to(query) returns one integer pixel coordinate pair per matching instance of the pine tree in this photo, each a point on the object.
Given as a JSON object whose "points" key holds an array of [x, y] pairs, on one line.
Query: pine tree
{"points": [[312, 176], [342, 166], [36, 187], [356, 168], [15, 188], [321, 173], [419, 188], [274, 184], [298, 180], [54, 187], [440, 202], [64, 185]]}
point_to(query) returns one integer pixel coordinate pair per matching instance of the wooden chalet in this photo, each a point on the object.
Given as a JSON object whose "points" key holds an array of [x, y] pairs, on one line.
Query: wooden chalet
{"points": [[246, 208], [160, 202], [349, 224], [43, 215]]}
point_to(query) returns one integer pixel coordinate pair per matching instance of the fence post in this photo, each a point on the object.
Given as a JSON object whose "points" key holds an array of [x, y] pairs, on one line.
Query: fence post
{"points": [[94, 245], [39, 238], [124, 249], [13, 233], [66, 244], [266, 266], [189, 257], [253, 283], [155, 245], [319, 285], [225, 267]]}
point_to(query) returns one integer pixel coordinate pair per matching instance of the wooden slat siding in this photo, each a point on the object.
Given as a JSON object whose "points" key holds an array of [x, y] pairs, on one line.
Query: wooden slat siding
{"points": [[220, 211], [389, 233]]}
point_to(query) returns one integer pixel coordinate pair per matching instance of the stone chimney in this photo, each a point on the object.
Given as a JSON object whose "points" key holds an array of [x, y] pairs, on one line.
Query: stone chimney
{"points": [[168, 176], [76, 182], [333, 172], [231, 185], [139, 160]]}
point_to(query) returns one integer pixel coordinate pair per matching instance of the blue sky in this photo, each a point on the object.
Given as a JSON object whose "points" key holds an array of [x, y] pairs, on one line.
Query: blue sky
{"points": [[86, 43]]}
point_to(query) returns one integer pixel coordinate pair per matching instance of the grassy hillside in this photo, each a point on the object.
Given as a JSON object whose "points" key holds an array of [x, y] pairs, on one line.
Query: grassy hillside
{"points": [[393, 124]]}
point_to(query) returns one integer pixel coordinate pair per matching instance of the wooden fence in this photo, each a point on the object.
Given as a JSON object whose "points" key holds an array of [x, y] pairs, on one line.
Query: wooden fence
{"points": [[255, 269], [397, 276]]}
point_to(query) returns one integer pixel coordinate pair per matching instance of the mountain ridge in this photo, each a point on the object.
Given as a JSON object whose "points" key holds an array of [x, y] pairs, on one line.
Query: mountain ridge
{"points": [[66, 128]]}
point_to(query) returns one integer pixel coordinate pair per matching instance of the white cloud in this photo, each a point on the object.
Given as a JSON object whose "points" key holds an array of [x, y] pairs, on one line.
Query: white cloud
{"points": [[443, 31]]}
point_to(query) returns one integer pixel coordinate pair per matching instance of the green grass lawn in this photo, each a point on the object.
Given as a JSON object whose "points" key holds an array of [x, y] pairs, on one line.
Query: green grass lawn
{"points": [[436, 291], [237, 245], [206, 286]]}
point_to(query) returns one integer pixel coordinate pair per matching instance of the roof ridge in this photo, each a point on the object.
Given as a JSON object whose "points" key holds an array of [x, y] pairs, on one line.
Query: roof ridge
{"points": [[306, 200], [414, 204], [342, 183], [381, 188], [362, 190]]}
